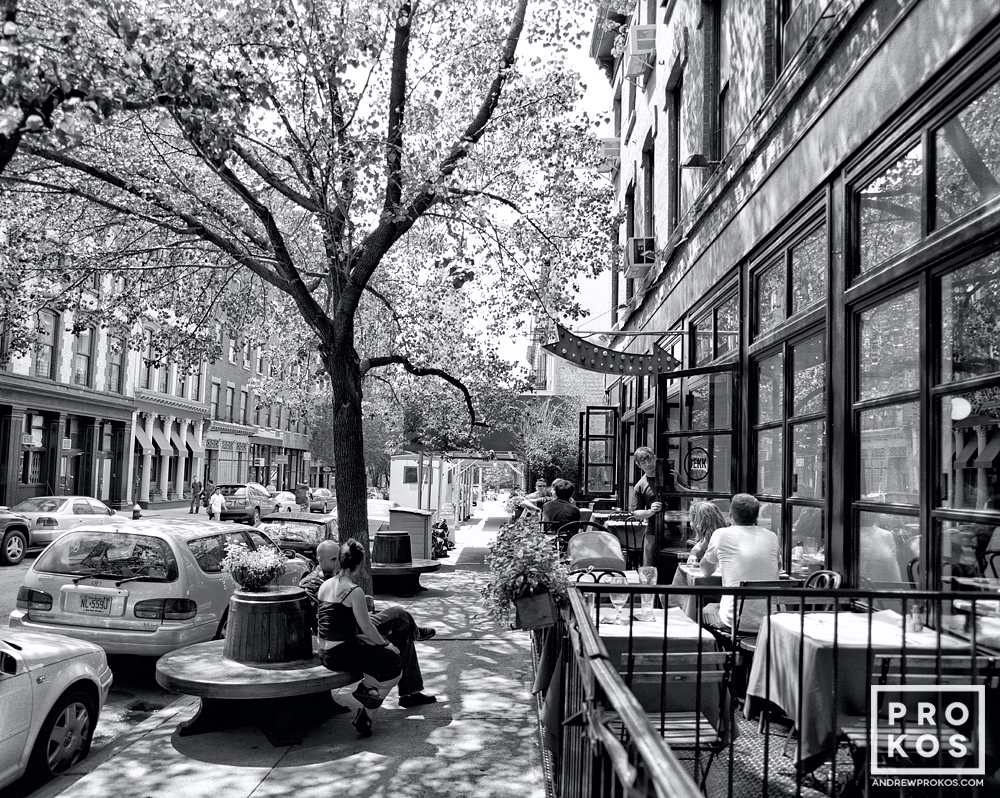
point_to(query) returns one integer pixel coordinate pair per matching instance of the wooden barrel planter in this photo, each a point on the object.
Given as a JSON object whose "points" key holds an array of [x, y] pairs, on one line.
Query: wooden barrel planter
{"points": [[392, 548], [268, 627]]}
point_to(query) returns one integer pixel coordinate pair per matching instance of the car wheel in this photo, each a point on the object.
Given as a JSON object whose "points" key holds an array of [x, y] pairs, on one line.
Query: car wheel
{"points": [[12, 549], [65, 736], [256, 517]]}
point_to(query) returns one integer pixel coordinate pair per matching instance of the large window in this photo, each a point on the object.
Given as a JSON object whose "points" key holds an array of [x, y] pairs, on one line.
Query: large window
{"points": [[716, 332], [243, 407], [230, 399], [215, 400], [149, 363], [116, 363], [43, 354], [83, 355], [790, 281], [789, 447]]}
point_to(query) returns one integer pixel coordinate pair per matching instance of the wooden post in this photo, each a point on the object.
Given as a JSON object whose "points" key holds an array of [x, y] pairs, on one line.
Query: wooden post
{"points": [[420, 480]]}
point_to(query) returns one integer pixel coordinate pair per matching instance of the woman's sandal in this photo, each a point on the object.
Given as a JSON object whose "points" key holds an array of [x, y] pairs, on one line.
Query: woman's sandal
{"points": [[368, 697], [362, 723]]}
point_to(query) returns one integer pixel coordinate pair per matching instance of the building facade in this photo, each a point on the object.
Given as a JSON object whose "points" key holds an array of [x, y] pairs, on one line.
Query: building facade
{"points": [[812, 227]]}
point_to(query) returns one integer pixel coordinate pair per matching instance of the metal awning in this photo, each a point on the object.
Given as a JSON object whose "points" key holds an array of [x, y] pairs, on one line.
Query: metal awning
{"points": [[989, 454], [161, 440], [194, 446], [963, 458], [143, 438], [266, 437]]}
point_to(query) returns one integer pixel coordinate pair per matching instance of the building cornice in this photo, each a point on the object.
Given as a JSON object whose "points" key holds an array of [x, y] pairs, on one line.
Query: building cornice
{"points": [[155, 402], [40, 394]]}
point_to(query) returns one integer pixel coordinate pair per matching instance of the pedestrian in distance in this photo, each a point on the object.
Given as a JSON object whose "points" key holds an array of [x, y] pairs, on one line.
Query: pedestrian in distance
{"points": [[207, 491], [216, 504], [196, 489]]}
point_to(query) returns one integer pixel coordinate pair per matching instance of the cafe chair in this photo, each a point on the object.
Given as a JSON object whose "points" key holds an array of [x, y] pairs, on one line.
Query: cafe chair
{"points": [[632, 533], [823, 580], [688, 673], [992, 568], [913, 669]]}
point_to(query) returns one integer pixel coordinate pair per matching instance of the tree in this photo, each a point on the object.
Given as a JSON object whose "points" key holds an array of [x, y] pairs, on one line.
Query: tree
{"points": [[308, 151], [549, 438]]}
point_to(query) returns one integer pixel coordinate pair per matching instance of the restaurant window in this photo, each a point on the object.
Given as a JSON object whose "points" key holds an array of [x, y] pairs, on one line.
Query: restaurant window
{"points": [[716, 332], [214, 400], [243, 407], [83, 355], [116, 362], [789, 447], [43, 354], [890, 209], [792, 281], [230, 400]]}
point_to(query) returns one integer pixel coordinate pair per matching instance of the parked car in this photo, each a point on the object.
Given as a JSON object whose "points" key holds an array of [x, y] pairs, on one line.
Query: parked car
{"points": [[322, 500], [52, 688], [14, 537], [245, 502], [300, 532], [47, 517], [285, 502], [139, 587]]}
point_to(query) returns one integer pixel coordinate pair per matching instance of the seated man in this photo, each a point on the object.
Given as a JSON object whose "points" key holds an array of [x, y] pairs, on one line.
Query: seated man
{"points": [[743, 552], [560, 510], [533, 501], [394, 623]]}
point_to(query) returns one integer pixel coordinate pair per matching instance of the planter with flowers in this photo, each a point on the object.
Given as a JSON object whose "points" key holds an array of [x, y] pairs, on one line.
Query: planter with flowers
{"points": [[526, 577], [267, 624]]}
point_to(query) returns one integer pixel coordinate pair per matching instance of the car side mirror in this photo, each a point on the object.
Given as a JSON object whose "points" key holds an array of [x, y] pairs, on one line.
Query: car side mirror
{"points": [[8, 664]]}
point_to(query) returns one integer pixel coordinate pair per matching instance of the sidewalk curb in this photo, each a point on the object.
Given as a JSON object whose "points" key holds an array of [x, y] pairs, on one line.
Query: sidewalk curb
{"points": [[65, 783]]}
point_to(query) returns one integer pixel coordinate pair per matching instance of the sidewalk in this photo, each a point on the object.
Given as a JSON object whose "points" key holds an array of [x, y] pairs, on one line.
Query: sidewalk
{"points": [[480, 740]]}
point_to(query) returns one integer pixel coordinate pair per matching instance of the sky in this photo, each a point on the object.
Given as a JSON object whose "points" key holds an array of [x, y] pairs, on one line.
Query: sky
{"points": [[595, 292]]}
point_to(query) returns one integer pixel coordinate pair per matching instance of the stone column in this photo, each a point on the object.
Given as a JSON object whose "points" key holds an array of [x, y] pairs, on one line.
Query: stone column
{"points": [[199, 459], [89, 461], [168, 422], [147, 463], [182, 457], [54, 428], [11, 430], [121, 453]]}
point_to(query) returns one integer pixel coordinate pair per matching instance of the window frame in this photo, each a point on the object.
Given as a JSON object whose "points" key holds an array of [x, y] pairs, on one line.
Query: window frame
{"points": [[53, 348]]}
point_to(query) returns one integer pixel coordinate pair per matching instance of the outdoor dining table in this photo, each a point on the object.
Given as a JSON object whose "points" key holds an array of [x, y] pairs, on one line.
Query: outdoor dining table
{"points": [[821, 674]]}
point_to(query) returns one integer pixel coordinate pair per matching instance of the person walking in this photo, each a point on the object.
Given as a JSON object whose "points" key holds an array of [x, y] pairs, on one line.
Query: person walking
{"points": [[196, 488], [207, 491], [216, 504]]}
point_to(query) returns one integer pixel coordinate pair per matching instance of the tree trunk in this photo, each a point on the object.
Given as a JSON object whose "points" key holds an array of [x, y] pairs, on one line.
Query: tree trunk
{"points": [[420, 480], [348, 448]]}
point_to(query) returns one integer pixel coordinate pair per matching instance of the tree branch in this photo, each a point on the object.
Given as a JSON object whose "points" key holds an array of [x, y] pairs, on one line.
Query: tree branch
{"points": [[397, 103], [370, 363]]}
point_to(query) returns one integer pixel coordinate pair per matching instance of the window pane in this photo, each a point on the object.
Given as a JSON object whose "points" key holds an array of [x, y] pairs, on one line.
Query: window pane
{"points": [[890, 453], [970, 320], [808, 376], [769, 459], [888, 549], [809, 270], [600, 479], [601, 451], [701, 341], [809, 459], [770, 389], [709, 401], [705, 462], [771, 296], [969, 443], [969, 549], [770, 518], [890, 343], [968, 157], [889, 209], [727, 326], [808, 552]]}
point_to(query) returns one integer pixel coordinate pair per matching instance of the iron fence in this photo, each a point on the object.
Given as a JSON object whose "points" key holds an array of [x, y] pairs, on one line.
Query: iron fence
{"points": [[677, 702]]}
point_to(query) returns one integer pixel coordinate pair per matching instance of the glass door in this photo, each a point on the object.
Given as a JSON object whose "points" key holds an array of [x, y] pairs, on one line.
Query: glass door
{"points": [[598, 451]]}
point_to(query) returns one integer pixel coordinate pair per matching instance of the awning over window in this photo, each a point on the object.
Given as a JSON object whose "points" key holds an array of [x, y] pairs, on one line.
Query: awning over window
{"points": [[964, 457], [175, 439], [989, 454], [143, 438], [161, 440], [193, 445]]}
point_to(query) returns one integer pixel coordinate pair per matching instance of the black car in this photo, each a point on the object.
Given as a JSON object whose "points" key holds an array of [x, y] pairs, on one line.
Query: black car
{"points": [[13, 538], [300, 532]]}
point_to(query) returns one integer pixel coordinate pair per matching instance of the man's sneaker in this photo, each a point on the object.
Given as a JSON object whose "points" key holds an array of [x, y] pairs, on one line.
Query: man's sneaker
{"points": [[424, 633], [416, 700]]}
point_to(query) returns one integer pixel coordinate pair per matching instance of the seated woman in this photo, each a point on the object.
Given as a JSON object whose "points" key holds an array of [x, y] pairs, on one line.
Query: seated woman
{"points": [[705, 517], [350, 642]]}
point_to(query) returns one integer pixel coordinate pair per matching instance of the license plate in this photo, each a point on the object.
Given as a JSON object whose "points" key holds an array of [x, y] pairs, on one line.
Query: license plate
{"points": [[90, 604]]}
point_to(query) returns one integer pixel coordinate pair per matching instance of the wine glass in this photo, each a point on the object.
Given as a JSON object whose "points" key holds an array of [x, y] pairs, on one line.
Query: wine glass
{"points": [[647, 576], [618, 599]]}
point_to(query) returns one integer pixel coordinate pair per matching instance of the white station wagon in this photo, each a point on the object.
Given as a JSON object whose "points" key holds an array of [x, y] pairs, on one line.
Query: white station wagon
{"points": [[140, 587]]}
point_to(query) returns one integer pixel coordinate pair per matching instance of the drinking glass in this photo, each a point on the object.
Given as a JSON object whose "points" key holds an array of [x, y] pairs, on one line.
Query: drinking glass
{"points": [[618, 599], [647, 576]]}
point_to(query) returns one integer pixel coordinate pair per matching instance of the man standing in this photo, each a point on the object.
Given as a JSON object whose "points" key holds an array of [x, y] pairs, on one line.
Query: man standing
{"points": [[743, 552], [196, 487], [645, 503], [208, 490], [216, 504], [394, 623]]}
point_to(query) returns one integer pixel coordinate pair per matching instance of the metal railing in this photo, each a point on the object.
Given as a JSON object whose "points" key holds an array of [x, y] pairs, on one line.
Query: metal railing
{"points": [[675, 705]]}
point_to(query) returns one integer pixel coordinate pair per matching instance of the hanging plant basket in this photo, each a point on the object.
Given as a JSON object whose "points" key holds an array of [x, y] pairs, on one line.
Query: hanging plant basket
{"points": [[535, 612]]}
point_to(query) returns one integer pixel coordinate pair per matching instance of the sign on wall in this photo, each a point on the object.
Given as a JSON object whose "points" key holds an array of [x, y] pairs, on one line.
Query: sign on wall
{"points": [[592, 357]]}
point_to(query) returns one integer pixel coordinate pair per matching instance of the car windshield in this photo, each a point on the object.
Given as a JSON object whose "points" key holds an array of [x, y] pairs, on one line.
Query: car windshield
{"points": [[39, 504], [295, 530], [109, 553], [232, 490], [322, 493]]}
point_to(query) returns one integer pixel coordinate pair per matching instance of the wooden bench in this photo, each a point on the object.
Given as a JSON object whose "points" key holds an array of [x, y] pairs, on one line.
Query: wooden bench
{"points": [[283, 700]]}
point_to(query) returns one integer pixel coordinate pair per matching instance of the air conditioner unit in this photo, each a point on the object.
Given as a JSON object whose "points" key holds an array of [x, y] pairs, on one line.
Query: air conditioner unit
{"points": [[641, 50], [640, 257], [610, 154]]}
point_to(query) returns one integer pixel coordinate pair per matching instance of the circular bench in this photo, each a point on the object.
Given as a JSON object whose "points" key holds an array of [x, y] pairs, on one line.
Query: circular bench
{"points": [[401, 579], [283, 700]]}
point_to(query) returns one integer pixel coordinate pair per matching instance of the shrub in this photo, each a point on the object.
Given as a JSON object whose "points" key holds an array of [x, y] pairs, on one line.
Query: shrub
{"points": [[253, 570]]}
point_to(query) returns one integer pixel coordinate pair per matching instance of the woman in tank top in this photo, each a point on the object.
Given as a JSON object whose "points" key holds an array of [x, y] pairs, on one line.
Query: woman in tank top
{"points": [[350, 642]]}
